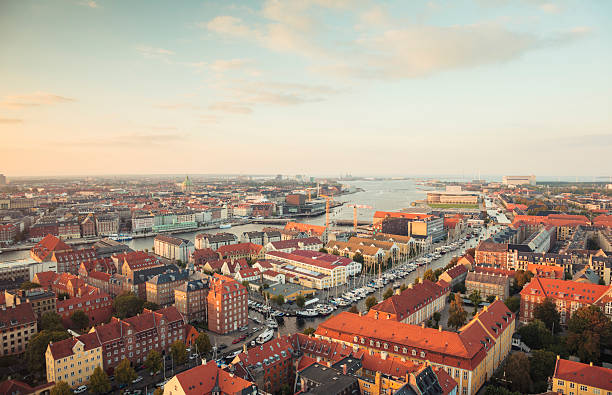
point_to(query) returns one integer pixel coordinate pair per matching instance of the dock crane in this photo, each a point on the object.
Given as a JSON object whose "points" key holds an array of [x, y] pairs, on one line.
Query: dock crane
{"points": [[327, 199], [355, 207]]}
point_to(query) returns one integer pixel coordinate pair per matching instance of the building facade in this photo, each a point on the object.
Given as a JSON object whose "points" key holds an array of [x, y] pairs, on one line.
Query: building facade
{"points": [[226, 305]]}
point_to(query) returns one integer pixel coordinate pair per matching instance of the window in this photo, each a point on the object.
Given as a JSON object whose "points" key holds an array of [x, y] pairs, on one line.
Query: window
{"points": [[583, 388], [560, 382]]}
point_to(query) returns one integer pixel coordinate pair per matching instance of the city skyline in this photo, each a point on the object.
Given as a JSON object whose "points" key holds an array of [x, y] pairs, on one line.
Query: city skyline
{"points": [[108, 87]]}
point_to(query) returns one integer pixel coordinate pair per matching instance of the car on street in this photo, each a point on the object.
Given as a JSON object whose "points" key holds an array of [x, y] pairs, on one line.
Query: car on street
{"points": [[161, 384], [137, 380], [80, 389], [222, 346], [236, 340]]}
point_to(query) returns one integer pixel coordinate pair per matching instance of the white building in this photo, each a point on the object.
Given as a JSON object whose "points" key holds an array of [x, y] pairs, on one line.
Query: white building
{"points": [[173, 248]]}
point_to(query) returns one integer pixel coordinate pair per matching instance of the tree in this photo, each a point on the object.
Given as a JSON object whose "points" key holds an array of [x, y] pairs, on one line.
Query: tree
{"points": [[29, 285], [37, 346], [61, 388], [589, 331], [158, 391], [437, 273], [517, 372], [354, 309], [548, 314], [51, 321], [124, 372], [436, 317], [309, 331], [460, 288], [99, 382], [429, 275], [475, 299], [79, 319], [403, 287], [535, 335], [300, 300], [521, 278], [542, 366], [279, 299], [357, 257], [388, 293], [457, 315], [153, 363], [203, 343], [323, 250], [490, 298], [494, 390], [335, 252], [178, 352], [513, 303], [127, 305], [370, 302]]}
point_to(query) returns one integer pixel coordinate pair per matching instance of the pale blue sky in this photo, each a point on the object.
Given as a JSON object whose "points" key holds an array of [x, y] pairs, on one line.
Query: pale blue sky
{"points": [[307, 86]]}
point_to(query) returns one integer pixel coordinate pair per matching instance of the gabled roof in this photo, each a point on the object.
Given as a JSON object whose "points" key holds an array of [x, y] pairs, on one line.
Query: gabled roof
{"points": [[64, 348], [240, 248], [564, 289], [203, 379], [409, 300], [49, 244], [581, 373]]}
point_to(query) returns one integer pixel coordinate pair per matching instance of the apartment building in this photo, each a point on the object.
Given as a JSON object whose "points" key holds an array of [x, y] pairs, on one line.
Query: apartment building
{"points": [[69, 261], [404, 243], [426, 227], [41, 300], [390, 249], [575, 378], [205, 240], [107, 224], [469, 356], [131, 338], [44, 249], [190, 299], [174, 248], [519, 180], [69, 230], [414, 305], [199, 257], [490, 253], [308, 243], [316, 271], [88, 227], [226, 304], [241, 251], [488, 284], [455, 275], [568, 296], [143, 223], [372, 255], [73, 360], [160, 288], [17, 325], [97, 306], [8, 232]]}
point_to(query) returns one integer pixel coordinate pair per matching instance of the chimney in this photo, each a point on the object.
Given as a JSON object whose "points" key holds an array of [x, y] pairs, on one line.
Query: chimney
{"points": [[410, 285], [422, 325], [244, 348], [398, 291], [344, 369], [439, 328]]}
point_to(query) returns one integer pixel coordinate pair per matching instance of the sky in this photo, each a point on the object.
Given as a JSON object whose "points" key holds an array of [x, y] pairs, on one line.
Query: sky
{"points": [[316, 87]]}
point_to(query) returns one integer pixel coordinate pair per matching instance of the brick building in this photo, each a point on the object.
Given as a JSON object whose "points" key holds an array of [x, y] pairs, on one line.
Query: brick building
{"points": [[190, 299], [226, 305], [98, 307], [41, 300], [160, 289], [17, 326], [488, 284]]}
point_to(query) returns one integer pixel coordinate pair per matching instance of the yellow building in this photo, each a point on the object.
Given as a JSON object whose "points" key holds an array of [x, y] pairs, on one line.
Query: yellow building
{"points": [[372, 255], [17, 325], [390, 249], [575, 378], [73, 360], [403, 242]]}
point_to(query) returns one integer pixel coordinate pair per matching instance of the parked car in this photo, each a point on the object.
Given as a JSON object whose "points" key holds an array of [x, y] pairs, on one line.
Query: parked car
{"points": [[80, 389], [137, 380]]}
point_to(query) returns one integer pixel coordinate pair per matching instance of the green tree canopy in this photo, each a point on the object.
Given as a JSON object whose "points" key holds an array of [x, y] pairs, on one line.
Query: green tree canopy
{"points": [[429, 275], [127, 305], [548, 314], [370, 301], [323, 250], [61, 388], [475, 299], [535, 335], [542, 365], [354, 309], [79, 319], [279, 299], [178, 350], [388, 293], [51, 321], [150, 305], [37, 346], [124, 372], [99, 382], [300, 300], [513, 303], [457, 315], [203, 343], [309, 331], [357, 257], [517, 372], [153, 363], [589, 331]]}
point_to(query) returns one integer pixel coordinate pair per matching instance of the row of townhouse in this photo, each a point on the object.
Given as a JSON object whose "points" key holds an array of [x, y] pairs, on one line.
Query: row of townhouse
{"points": [[73, 360], [469, 356]]}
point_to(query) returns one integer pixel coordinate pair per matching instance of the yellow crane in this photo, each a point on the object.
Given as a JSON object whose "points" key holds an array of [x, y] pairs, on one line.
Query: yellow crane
{"points": [[327, 200], [355, 207]]}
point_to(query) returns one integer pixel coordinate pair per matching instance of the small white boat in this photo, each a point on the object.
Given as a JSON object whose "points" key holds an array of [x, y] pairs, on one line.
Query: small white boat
{"points": [[265, 336], [225, 226], [307, 313]]}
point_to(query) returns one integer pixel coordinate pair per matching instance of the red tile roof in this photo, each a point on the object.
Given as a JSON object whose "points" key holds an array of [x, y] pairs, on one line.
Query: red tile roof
{"points": [[49, 244], [17, 315], [456, 271], [239, 249], [204, 378], [63, 348], [291, 257], [300, 227], [45, 279], [603, 220], [571, 291], [295, 243], [581, 373], [409, 300]]}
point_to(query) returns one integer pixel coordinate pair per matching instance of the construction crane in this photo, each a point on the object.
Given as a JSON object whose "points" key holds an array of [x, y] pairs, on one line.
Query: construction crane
{"points": [[355, 207], [327, 199]]}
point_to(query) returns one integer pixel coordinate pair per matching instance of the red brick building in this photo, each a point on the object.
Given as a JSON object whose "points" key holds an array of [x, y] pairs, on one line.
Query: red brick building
{"points": [[8, 233], [241, 250], [88, 227], [568, 296], [98, 307], [492, 254], [227, 304], [69, 261], [202, 255]]}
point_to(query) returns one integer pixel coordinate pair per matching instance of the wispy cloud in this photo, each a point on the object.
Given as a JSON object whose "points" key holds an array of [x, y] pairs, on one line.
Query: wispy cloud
{"points": [[34, 100], [222, 65], [90, 4], [153, 52], [10, 121], [177, 106], [231, 107], [132, 139]]}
